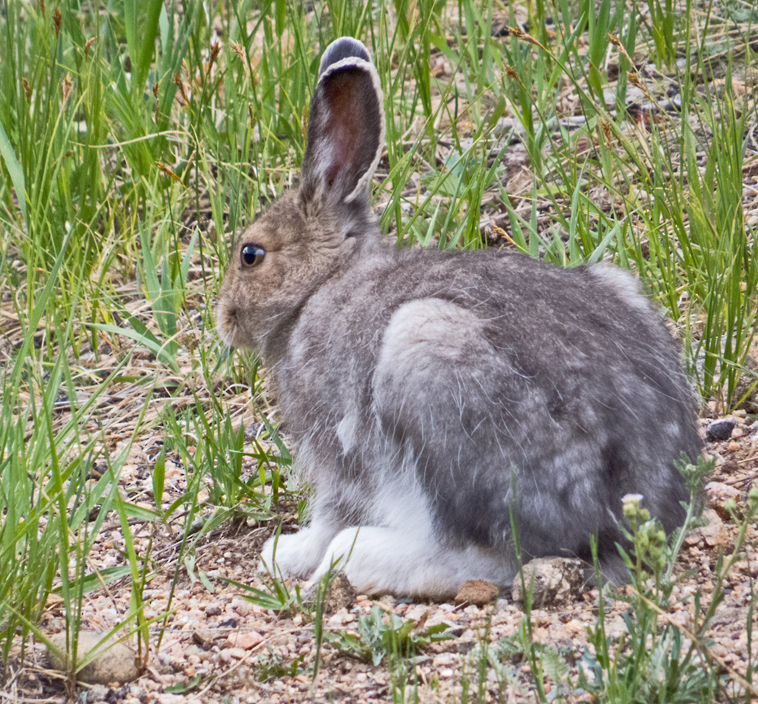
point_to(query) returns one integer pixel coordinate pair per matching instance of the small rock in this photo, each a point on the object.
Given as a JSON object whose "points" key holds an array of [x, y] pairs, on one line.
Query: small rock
{"points": [[719, 650], [117, 663], [557, 581], [717, 494], [213, 609], [340, 618], [53, 600], [243, 639], [730, 616], [729, 466], [720, 430], [236, 653], [253, 431], [341, 595], [97, 693], [167, 698], [478, 592], [242, 607], [714, 534]]}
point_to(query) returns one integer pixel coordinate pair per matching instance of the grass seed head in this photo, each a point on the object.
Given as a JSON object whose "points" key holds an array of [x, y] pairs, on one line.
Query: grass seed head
{"points": [[520, 34], [511, 72], [66, 89], [57, 19], [215, 50], [240, 51], [606, 127]]}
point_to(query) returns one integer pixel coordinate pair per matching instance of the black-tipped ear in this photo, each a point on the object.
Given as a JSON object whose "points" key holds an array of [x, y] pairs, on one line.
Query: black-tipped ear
{"points": [[346, 126], [343, 48]]}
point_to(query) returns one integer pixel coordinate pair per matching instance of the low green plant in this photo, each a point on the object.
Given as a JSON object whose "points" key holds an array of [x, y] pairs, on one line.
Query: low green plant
{"points": [[270, 666], [655, 659], [385, 635]]}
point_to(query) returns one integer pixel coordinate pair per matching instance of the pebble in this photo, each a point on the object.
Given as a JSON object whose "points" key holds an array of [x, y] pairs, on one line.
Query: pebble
{"points": [[167, 698], [416, 611], [242, 607], [719, 650], [714, 534], [717, 494], [555, 581], [243, 639], [720, 430]]}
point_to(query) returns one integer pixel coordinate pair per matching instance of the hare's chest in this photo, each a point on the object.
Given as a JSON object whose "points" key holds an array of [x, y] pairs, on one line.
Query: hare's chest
{"points": [[325, 384]]}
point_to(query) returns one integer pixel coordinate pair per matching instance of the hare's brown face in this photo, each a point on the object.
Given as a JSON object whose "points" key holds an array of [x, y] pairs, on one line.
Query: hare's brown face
{"points": [[273, 266], [309, 235]]}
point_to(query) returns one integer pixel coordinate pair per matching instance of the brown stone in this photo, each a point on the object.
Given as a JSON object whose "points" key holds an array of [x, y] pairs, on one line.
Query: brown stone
{"points": [[243, 639], [477, 592], [713, 535]]}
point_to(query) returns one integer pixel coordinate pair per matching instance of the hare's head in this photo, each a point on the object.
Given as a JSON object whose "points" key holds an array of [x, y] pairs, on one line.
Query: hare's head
{"points": [[312, 234]]}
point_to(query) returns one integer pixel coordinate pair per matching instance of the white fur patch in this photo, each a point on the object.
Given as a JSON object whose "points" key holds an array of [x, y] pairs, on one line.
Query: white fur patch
{"points": [[381, 560], [397, 551], [296, 555], [625, 285], [423, 328], [347, 432]]}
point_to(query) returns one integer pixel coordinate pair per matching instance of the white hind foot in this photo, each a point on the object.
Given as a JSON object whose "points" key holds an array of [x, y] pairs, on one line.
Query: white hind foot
{"points": [[386, 560]]}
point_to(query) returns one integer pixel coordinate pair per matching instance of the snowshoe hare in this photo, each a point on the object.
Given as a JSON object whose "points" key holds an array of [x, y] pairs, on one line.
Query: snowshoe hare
{"points": [[430, 394]]}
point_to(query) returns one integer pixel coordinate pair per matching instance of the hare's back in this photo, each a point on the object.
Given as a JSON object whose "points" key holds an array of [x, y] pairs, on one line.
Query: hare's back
{"points": [[568, 378]]}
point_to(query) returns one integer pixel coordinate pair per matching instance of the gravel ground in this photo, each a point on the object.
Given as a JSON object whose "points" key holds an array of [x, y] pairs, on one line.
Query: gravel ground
{"points": [[219, 647]]}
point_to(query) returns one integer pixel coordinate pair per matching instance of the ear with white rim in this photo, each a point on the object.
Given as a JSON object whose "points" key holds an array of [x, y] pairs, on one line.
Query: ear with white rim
{"points": [[346, 125]]}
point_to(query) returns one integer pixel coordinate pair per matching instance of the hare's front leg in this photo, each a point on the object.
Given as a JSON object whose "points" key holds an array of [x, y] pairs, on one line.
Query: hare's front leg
{"points": [[298, 554]]}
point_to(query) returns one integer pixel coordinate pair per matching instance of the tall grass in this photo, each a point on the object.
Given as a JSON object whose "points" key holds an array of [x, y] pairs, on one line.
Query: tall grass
{"points": [[136, 136]]}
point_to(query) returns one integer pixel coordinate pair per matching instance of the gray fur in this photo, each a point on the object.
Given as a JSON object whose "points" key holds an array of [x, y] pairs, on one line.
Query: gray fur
{"points": [[431, 394]]}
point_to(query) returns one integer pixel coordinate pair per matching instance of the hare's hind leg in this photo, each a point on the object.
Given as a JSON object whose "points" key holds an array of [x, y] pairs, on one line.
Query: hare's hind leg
{"points": [[393, 560]]}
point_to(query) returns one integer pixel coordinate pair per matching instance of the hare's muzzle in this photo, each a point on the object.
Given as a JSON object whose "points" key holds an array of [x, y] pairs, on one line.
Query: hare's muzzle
{"points": [[226, 323]]}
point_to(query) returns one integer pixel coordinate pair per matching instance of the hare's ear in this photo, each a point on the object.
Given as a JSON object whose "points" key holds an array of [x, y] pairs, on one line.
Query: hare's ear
{"points": [[346, 126]]}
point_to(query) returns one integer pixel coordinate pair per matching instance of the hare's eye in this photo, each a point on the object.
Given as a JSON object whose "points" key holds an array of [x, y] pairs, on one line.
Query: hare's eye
{"points": [[252, 255]]}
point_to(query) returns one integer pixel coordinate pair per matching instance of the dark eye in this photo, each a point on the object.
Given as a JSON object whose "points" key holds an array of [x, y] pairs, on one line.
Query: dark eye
{"points": [[252, 255]]}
